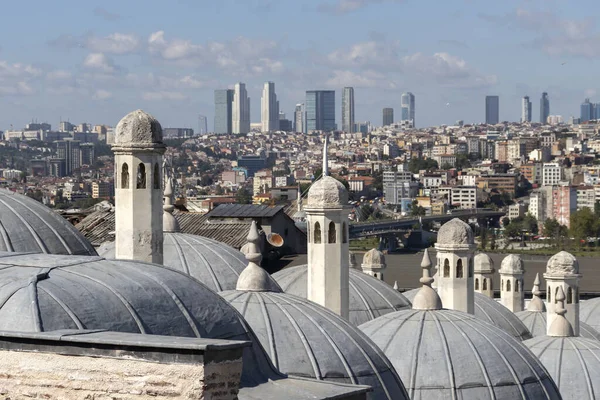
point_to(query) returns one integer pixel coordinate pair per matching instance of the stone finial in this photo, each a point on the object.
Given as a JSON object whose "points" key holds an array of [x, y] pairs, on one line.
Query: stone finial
{"points": [[512, 264], [560, 327], [138, 128], [396, 288], [170, 223], [373, 259], [562, 264], [536, 303], [456, 233], [254, 278], [325, 158], [427, 298]]}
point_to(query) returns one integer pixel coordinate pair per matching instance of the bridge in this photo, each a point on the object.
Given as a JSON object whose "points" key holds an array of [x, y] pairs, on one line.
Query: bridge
{"points": [[387, 227]]}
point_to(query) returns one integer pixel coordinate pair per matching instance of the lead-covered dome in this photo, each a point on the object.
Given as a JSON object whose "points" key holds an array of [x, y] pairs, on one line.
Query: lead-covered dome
{"points": [[327, 192], [213, 263], [138, 127], [512, 264], [444, 354], [573, 363], [536, 323], [492, 312], [369, 296], [455, 232], [29, 226], [589, 312]]}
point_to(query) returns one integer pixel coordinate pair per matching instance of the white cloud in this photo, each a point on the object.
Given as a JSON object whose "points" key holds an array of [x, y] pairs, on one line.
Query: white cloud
{"points": [[116, 43], [99, 62], [379, 54], [368, 79], [59, 75], [348, 6], [102, 94], [163, 95], [18, 70]]}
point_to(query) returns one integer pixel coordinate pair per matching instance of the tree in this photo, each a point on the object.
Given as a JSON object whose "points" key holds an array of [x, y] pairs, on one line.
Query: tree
{"points": [[483, 236], [554, 230], [583, 224], [446, 166], [243, 196], [416, 210], [417, 164], [493, 241], [462, 161]]}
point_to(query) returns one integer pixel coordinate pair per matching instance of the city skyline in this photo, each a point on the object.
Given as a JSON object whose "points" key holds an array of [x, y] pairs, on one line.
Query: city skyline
{"points": [[133, 55]]}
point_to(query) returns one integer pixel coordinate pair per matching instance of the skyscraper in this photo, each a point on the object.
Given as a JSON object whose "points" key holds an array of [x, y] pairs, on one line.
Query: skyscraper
{"points": [[544, 108], [492, 110], [348, 109], [587, 111], [407, 102], [269, 108], [388, 116], [240, 109], [526, 110], [70, 152], [202, 125], [300, 118], [320, 110], [223, 111]]}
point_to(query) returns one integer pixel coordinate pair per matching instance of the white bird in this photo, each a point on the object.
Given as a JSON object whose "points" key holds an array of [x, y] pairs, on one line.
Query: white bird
{"points": [[447, 104]]}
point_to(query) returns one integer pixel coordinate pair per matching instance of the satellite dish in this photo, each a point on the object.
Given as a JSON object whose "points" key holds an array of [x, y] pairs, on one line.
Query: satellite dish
{"points": [[275, 239]]}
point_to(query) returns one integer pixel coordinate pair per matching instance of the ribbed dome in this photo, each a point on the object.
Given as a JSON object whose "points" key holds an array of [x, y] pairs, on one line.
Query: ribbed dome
{"points": [[369, 296], [483, 263], [213, 263], [494, 313], [40, 292], [447, 354], [589, 312], [307, 340], [573, 363], [327, 192], [455, 232], [535, 321], [29, 226], [138, 127]]}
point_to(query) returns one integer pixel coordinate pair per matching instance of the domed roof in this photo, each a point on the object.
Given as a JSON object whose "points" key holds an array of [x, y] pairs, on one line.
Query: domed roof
{"points": [[535, 321], [138, 127], [492, 312], [40, 292], [369, 296], [443, 354], [29, 226], [327, 192], [512, 264], [589, 312], [483, 263], [573, 363], [213, 263], [562, 264], [455, 232], [305, 339], [374, 258]]}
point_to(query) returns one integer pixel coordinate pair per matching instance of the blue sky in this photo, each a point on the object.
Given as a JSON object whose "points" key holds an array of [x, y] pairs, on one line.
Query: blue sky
{"points": [[90, 61]]}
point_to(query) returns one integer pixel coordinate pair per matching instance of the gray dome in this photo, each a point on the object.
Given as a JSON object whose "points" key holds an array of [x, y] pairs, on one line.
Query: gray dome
{"points": [[562, 264], [573, 363], [493, 313], [455, 232], [512, 264], [327, 192], [535, 321], [138, 127], [589, 312], [305, 339], [40, 292], [213, 263], [483, 263], [369, 296], [29, 226], [447, 354]]}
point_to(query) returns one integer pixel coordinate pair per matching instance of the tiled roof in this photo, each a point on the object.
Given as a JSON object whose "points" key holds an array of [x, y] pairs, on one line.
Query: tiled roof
{"points": [[244, 211]]}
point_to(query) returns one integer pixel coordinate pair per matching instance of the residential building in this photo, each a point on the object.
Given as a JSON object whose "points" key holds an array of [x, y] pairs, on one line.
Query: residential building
{"points": [[252, 164], [320, 110], [240, 112], [544, 108], [348, 109], [358, 184], [464, 197], [492, 110], [88, 153], [503, 183], [564, 203], [407, 103], [516, 210], [551, 174], [398, 185], [526, 110], [532, 172], [300, 118], [388, 116], [501, 151], [538, 205], [586, 197], [102, 190], [223, 111], [269, 108], [445, 160]]}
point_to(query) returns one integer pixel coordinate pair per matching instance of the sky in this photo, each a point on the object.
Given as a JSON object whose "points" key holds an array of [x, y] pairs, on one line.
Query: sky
{"points": [[90, 61]]}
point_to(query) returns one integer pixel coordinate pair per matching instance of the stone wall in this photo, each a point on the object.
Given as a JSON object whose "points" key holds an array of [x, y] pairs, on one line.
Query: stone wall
{"points": [[53, 376]]}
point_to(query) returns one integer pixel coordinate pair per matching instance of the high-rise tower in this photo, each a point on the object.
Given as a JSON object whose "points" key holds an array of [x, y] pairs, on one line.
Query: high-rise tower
{"points": [[492, 110], [348, 110], [526, 110], [269, 108], [300, 118], [223, 111], [407, 102], [240, 109], [544, 108], [320, 110], [388, 116]]}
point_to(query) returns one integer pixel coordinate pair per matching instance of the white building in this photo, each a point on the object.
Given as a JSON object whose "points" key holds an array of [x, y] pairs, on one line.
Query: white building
{"points": [[551, 174], [586, 197], [241, 109], [269, 108], [464, 196]]}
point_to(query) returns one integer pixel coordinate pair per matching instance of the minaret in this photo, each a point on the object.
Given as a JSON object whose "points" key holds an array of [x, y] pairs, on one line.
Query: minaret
{"points": [[170, 223], [139, 153], [455, 246], [328, 253], [536, 303], [511, 283], [562, 274], [484, 273], [427, 298], [374, 263]]}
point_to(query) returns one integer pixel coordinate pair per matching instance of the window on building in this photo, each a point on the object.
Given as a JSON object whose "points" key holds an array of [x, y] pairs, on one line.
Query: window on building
{"points": [[476, 283], [317, 232], [502, 285], [344, 233], [517, 286], [484, 284], [508, 286], [141, 177], [125, 176], [471, 267], [156, 177], [446, 268], [308, 232], [331, 233], [569, 296], [459, 269], [549, 294]]}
